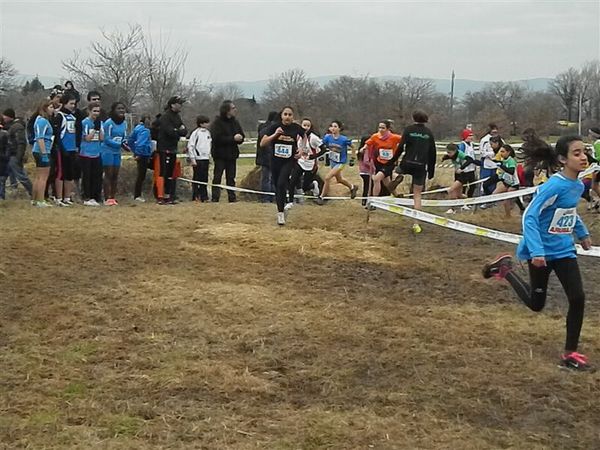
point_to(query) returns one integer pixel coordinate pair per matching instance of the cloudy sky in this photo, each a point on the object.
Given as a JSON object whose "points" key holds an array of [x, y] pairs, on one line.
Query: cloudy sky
{"points": [[229, 41]]}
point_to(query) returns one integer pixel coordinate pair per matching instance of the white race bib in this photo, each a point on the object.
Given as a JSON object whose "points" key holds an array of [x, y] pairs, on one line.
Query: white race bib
{"points": [[70, 126], [118, 139], [386, 154], [96, 136], [283, 150], [334, 156], [563, 221]]}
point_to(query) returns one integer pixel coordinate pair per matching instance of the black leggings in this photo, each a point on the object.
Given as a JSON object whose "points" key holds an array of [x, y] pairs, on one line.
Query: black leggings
{"points": [[167, 167], [297, 173], [281, 169], [534, 295], [199, 191], [366, 179], [142, 167], [91, 178]]}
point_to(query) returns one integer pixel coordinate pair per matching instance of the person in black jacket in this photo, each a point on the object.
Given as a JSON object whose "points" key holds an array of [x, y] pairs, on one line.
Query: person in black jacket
{"points": [[418, 146], [263, 159], [226, 134], [17, 145], [171, 129], [4, 158]]}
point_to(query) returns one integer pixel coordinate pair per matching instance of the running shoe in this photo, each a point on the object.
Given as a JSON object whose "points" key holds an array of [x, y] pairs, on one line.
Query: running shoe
{"points": [[90, 203], [353, 190], [465, 208], [68, 201], [319, 201], [315, 189], [110, 202], [288, 206], [450, 211], [42, 204], [93, 202], [575, 361], [392, 185], [140, 199], [61, 202], [280, 218], [416, 228], [498, 268]]}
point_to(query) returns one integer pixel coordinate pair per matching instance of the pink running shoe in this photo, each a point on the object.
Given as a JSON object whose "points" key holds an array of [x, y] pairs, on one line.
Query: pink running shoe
{"points": [[575, 361], [498, 268]]}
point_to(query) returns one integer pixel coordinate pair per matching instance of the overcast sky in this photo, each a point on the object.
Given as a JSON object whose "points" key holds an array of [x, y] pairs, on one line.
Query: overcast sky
{"points": [[229, 41]]}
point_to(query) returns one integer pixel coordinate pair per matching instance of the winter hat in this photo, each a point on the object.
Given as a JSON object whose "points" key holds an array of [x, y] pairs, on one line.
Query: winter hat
{"points": [[9, 112], [594, 132], [465, 134], [175, 99]]}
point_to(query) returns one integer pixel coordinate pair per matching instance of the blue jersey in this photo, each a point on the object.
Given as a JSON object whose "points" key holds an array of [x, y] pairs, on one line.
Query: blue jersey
{"points": [[550, 220], [89, 149], [139, 141], [114, 136], [42, 129], [68, 135], [338, 148]]}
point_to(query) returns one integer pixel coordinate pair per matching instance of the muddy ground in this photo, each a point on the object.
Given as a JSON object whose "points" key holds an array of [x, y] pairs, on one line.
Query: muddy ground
{"points": [[206, 326]]}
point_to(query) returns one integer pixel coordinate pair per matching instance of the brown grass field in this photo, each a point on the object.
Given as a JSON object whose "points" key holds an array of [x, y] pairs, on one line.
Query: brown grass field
{"points": [[207, 327]]}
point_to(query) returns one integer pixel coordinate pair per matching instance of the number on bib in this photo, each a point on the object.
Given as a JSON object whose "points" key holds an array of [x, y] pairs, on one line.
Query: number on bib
{"points": [[283, 150], [334, 156], [118, 139], [563, 221], [386, 154], [70, 126]]}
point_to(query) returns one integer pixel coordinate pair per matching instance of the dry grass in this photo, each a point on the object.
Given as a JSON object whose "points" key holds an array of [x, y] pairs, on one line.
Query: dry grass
{"points": [[205, 326]]}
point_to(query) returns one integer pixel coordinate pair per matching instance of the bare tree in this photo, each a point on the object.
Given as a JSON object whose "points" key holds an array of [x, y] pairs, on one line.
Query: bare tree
{"points": [[590, 87], [114, 66], [165, 68], [566, 87], [7, 74], [293, 88]]}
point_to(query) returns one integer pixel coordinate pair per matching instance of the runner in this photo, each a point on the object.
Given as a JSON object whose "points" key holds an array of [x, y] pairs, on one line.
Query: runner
{"points": [[487, 154], [419, 159], [382, 148], [468, 172], [338, 146], [509, 181], [306, 167], [115, 132], [460, 161], [594, 134], [42, 145], [283, 136], [547, 243], [89, 156]]}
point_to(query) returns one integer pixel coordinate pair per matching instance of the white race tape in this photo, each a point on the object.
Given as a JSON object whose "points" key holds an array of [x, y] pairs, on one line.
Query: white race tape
{"points": [[466, 201], [465, 227], [446, 189]]}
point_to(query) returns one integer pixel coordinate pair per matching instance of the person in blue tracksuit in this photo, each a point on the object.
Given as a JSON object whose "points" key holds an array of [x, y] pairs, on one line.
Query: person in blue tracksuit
{"points": [[115, 139], [42, 145], [140, 144], [549, 223], [67, 147]]}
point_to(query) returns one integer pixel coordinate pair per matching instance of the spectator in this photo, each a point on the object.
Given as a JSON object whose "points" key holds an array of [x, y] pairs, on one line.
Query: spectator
{"points": [[17, 145], [487, 155], [263, 158], [69, 87], [141, 146], [4, 158], [199, 147], [226, 134], [171, 129]]}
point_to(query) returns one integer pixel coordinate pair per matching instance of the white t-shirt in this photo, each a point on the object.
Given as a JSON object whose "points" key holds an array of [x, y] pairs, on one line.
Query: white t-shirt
{"points": [[307, 147], [469, 151], [486, 152]]}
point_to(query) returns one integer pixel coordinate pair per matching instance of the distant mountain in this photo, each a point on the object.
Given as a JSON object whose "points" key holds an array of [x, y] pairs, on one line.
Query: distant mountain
{"points": [[461, 86]]}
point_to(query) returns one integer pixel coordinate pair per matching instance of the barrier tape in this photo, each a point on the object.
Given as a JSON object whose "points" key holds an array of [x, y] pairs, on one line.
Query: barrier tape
{"points": [[465, 227], [446, 189], [467, 201]]}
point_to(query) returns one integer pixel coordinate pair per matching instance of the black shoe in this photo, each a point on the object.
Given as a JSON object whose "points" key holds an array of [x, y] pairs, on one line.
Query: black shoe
{"points": [[353, 191], [498, 268], [319, 201]]}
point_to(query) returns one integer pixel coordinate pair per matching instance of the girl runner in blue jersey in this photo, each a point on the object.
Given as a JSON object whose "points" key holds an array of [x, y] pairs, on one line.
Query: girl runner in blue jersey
{"points": [[115, 134], [547, 244], [44, 137], [338, 146]]}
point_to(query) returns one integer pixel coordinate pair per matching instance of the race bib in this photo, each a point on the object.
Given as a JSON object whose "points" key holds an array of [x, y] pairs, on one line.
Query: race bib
{"points": [[283, 150], [563, 221], [118, 139], [70, 126], [386, 154], [335, 157], [96, 136]]}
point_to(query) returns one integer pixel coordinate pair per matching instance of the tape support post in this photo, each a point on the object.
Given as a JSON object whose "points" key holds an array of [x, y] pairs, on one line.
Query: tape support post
{"points": [[465, 227]]}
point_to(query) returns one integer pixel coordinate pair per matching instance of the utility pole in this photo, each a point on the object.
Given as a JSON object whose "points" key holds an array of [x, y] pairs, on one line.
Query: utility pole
{"points": [[452, 98], [580, 105]]}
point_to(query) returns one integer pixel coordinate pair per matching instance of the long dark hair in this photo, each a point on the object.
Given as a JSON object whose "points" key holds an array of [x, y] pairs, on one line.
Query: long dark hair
{"points": [[113, 112]]}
